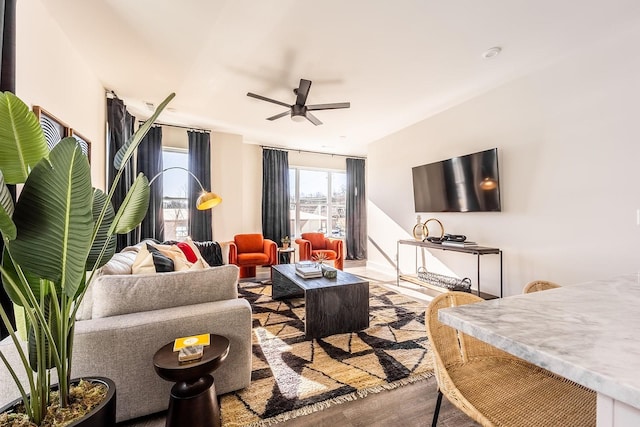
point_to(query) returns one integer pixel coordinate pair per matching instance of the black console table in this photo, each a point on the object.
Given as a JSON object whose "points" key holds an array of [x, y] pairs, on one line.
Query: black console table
{"points": [[472, 250]]}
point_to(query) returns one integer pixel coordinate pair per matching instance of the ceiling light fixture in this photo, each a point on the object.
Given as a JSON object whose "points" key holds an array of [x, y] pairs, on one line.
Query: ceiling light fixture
{"points": [[492, 53]]}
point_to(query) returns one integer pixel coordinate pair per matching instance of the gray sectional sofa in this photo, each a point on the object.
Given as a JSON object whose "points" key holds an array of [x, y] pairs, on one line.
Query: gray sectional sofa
{"points": [[125, 319]]}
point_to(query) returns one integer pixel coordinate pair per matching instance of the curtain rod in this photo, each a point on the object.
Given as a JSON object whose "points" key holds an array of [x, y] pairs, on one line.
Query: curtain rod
{"points": [[312, 152], [178, 126]]}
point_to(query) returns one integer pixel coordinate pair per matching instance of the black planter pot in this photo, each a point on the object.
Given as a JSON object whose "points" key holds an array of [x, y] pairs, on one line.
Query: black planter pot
{"points": [[103, 415]]}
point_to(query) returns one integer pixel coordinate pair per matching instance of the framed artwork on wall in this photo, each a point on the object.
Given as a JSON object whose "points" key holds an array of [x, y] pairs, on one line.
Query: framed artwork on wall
{"points": [[85, 144], [55, 129]]}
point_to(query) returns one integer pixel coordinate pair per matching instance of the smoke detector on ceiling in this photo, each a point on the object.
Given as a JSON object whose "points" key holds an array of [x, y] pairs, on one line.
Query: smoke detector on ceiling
{"points": [[150, 106], [492, 53]]}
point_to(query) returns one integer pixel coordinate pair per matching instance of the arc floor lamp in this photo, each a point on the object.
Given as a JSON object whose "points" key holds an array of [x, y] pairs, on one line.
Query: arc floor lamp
{"points": [[206, 200]]}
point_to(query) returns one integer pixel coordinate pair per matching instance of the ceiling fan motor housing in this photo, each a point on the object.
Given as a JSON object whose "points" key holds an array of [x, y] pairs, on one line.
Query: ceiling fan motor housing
{"points": [[298, 110]]}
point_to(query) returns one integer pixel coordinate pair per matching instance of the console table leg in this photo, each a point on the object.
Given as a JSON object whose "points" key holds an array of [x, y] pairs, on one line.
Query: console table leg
{"points": [[478, 257]]}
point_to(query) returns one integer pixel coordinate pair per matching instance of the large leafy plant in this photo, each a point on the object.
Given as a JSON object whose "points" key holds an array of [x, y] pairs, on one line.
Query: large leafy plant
{"points": [[57, 234]]}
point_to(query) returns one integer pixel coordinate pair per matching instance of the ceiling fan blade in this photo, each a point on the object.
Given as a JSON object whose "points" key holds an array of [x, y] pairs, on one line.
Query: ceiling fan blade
{"points": [[303, 91], [277, 116], [313, 119], [264, 98], [333, 106]]}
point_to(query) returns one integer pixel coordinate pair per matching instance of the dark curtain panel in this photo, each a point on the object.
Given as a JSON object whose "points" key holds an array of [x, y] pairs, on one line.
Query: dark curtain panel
{"points": [[149, 160], [356, 210], [275, 194], [200, 166], [120, 128], [7, 83]]}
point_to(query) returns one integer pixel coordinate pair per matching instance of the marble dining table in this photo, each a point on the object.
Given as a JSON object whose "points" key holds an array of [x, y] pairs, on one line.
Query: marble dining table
{"points": [[587, 332]]}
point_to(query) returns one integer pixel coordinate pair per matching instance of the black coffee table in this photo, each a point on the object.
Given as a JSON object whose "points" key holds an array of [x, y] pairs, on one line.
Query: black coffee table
{"points": [[332, 306], [193, 399]]}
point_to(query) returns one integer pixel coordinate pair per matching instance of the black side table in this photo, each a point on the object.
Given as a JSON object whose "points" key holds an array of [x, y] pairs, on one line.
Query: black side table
{"points": [[193, 399]]}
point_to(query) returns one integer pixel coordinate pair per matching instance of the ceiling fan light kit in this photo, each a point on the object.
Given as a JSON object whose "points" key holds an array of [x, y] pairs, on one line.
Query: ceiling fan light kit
{"points": [[299, 111]]}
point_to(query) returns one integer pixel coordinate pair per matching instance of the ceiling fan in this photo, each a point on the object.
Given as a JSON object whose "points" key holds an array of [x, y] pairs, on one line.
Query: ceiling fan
{"points": [[299, 111]]}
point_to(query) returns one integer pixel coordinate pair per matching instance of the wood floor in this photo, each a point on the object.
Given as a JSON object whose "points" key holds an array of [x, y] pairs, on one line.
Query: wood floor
{"points": [[409, 406]]}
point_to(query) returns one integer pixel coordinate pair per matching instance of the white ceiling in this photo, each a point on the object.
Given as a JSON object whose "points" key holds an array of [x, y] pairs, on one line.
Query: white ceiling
{"points": [[397, 62]]}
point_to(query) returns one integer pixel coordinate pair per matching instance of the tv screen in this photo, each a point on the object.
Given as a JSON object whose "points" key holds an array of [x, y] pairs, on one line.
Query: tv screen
{"points": [[467, 183]]}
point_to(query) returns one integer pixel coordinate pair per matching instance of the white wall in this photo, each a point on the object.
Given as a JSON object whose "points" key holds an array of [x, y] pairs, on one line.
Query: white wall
{"points": [[50, 73], [236, 172], [570, 183]]}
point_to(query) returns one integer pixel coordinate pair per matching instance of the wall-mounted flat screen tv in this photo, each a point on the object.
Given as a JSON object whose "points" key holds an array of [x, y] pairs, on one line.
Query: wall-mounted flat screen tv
{"points": [[467, 183]]}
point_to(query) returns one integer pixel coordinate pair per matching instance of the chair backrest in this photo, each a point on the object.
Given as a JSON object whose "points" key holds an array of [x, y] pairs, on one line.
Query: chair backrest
{"points": [[248, 243], [539, 285], [450, 346], [317, 240]]}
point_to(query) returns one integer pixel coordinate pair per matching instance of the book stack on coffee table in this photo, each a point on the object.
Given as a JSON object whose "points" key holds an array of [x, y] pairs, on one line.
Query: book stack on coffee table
{"points": [[308, 270]]}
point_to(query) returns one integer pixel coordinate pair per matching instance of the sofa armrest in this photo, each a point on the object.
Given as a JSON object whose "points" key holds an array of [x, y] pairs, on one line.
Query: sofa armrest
{"points": [[233, 252], [271, 249], [304, 247], [335, 245], [122, 348], [122, 294]]}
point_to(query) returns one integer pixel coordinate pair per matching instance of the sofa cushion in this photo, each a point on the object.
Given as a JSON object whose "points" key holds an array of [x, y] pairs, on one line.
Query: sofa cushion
{"points": [[249, 243], [122, 294], [316, 239], [120, 263], [253, 258], [151, 260], [188, 251], [176, 255]]}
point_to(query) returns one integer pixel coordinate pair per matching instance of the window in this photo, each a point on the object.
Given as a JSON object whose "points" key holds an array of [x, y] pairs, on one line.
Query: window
{"points": [[317, 201], [175, 183]]}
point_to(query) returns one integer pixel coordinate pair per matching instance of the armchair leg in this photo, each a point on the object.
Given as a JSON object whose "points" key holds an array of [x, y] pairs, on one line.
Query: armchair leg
{"points": [[247, 272], [434, 423]]}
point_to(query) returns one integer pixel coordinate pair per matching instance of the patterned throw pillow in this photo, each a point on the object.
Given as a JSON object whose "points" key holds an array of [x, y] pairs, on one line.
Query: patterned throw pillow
{"points": [[151, 260]]}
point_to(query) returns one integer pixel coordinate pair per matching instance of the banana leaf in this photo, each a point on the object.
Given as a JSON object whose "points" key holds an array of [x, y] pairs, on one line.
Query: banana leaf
{"points": [[102, 236], [126, 151], [22, 142], [7, 227], [134, 207], [54, 218]]}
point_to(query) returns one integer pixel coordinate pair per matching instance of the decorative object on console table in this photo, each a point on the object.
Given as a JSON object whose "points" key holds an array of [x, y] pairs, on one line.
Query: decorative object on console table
{"points": [[445, 282], [472, 250], [421, 231], [453, 243]]}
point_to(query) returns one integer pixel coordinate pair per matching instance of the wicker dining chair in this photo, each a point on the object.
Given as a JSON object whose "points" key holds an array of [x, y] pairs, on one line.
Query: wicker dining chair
{"points": [[539, 285], [495, 388]]}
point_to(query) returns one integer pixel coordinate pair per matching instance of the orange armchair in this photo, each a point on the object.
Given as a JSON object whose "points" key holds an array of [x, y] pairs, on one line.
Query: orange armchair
{"points": [[248, 251], [312, 244]]}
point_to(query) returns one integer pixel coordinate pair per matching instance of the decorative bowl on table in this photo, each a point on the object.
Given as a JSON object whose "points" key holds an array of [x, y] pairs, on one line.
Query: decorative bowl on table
{"points": [[329, 272]]}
